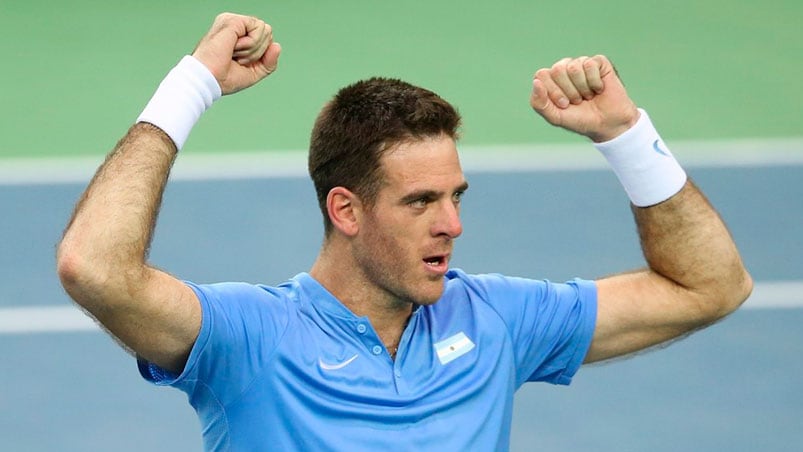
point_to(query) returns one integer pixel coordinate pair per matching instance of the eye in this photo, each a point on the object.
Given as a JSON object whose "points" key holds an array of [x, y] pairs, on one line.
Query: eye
{"points": [[458, 196], [419, 203]]}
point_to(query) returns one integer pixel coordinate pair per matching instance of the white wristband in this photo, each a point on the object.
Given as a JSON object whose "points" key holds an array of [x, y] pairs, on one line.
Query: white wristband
{"points": [[642, 162], [184, 94]]}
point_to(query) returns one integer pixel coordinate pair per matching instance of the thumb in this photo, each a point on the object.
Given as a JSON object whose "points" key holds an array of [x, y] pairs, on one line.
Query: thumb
{"points": [[270, 59]]}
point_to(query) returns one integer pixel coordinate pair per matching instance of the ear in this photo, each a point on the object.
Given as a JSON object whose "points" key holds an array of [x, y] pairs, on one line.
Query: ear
{"points": [[343, 207]]}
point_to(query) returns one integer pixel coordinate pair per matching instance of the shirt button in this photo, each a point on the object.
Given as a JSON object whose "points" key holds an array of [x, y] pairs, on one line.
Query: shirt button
{"points": [[376, 350], [361, 328]]}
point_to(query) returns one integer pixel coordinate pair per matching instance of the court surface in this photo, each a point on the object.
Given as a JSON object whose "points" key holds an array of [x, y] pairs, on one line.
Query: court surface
{"points": [[79, 72], [66, 386]]}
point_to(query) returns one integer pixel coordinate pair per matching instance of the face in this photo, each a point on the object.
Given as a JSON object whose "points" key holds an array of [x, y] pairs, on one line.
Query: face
{"points": [[406, 237]]}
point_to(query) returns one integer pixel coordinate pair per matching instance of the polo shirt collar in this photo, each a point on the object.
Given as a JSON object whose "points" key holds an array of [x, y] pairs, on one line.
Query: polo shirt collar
{"points": [[324, 300]]}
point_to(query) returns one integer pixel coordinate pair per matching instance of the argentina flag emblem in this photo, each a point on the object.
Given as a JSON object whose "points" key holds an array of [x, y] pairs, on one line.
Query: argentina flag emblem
{"points": [[453, 347]]}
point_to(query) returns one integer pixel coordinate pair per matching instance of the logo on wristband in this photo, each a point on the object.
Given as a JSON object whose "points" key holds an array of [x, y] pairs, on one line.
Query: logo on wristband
{"points": [[657, 147]]}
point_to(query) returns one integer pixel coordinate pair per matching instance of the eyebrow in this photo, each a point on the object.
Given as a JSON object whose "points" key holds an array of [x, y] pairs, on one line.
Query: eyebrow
{"points": [[431, 194]]}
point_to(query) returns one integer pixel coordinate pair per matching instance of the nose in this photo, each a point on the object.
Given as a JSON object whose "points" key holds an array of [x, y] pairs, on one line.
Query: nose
{"points": [[448, 221]]}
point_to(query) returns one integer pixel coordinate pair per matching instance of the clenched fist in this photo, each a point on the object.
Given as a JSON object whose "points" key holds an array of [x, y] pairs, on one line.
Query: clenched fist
{"points": [[239, 51], [584, 95]]}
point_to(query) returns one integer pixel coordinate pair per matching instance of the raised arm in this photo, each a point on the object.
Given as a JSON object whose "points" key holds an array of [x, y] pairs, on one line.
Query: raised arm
{"points": [[694, 273], [102, 258]]}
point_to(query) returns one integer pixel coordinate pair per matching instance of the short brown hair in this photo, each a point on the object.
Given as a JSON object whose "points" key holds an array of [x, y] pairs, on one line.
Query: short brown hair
{"points": [[360, 123]]}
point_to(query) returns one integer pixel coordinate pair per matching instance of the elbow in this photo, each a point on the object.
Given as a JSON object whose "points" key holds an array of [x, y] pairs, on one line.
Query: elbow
{"points": [[74, 273], [731, 293], [745, 288], [66, 269], [84, 280], [97, 281], [67, 265]]}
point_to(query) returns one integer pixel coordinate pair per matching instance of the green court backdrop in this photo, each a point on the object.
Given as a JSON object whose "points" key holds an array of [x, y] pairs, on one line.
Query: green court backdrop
{"points": [[75, 74]]}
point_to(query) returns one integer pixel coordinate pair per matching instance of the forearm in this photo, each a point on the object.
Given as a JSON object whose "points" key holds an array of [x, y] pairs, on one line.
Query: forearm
{"points": [[685, 241], [695, 275], [683, 238], [102, 256], [113, 223], [106, 242]]}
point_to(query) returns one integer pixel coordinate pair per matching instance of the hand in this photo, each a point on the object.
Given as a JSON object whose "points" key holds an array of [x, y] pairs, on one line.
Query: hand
{"points": [[584, 95], [239, 51]]}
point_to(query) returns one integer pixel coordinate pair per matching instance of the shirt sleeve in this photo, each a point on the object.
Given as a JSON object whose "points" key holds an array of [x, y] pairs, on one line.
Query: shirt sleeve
{"points": [[241, 326], [551, 325]]}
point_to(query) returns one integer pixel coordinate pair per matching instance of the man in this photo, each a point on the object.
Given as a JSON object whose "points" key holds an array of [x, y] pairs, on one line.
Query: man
{"points": [[381, 345]]}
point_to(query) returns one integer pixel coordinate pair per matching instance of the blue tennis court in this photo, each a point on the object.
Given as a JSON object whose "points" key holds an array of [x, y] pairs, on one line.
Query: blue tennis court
{"points": [[735, 386]]}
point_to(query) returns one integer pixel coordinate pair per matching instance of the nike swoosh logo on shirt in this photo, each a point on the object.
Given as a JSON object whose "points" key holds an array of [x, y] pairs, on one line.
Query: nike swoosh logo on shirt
{"points": [[336, 366]]}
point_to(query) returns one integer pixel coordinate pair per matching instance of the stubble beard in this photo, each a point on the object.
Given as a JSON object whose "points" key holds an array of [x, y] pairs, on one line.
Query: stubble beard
{"points": [[389, 271]]}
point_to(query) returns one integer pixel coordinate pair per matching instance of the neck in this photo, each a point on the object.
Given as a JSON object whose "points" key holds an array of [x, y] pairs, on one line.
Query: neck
{"points": [[339, 274]]}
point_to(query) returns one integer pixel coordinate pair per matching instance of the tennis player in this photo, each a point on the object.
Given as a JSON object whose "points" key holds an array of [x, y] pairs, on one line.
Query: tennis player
{"points": [[381, 345]]}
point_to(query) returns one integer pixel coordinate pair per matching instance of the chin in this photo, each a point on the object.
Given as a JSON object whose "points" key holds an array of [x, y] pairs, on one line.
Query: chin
{"points": [[427, 301], [432, 296]]}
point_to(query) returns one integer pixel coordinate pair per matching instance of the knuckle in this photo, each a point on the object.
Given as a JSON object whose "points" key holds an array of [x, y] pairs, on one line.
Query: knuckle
{"points": [[575, 67], [224, 17], [561, 63], [542, 74], [557, 70]]}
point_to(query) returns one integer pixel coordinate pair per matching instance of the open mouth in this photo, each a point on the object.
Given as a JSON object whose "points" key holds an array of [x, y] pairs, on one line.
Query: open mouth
{"points": [[437, 263]]}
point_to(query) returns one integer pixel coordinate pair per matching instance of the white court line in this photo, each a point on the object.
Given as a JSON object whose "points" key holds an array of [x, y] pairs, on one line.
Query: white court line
{"points": [[70, 319], [508, 158], [241, 165], [44, 319]]}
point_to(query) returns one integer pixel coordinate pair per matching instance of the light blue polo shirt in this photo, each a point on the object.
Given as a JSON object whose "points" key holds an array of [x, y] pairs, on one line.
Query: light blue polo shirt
{"points": [[290, 368]]}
